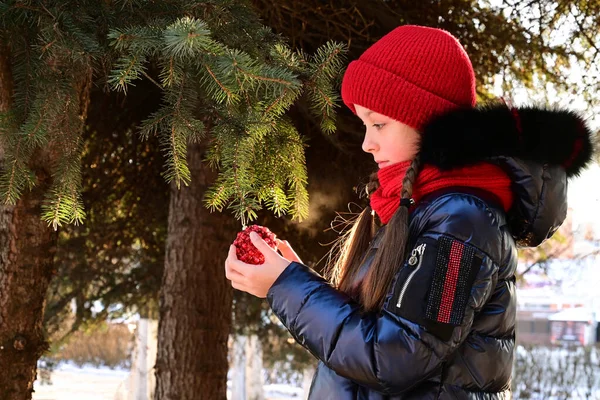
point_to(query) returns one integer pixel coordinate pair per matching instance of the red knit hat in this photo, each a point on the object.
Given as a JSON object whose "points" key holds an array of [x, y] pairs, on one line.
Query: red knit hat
{"points": [[410, 75]]}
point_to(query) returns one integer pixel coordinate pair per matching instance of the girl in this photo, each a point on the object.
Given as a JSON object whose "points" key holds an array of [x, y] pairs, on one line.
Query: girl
{"points": [[424, 308]]}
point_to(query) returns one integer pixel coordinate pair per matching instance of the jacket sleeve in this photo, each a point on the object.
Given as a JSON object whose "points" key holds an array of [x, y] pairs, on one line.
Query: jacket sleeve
{"points": [[427, 314]]}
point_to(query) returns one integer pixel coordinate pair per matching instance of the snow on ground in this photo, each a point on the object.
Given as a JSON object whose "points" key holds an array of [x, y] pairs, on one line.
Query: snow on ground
{"points": [[279, 391], [70, 382]]}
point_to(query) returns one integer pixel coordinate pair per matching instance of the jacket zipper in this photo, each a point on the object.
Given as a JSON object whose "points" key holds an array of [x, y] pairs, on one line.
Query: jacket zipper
{"points": [[416, 255]]}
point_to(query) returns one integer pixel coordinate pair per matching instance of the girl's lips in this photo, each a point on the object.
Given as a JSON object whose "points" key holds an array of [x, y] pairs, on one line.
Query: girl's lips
{"points": [[382, 164]]}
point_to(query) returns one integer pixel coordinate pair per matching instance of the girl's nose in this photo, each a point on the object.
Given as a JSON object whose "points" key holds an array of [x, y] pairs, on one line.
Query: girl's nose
{"points": [[369, 145]]}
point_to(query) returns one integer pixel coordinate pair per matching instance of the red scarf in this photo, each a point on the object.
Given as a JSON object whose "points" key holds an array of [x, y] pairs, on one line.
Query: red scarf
{"points": [[386, 199]]}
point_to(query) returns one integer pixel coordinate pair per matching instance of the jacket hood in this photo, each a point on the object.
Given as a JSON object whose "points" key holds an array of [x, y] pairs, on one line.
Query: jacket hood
{"points": [[539, 149]]}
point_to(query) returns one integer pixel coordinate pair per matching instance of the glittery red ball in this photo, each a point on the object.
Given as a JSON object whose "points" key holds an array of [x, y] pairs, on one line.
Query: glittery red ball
{"points": [[246, 251]]}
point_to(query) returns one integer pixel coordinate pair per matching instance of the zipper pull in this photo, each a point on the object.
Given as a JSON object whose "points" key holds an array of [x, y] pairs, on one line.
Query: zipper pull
{"points": [[416, 258], [416, 254]]}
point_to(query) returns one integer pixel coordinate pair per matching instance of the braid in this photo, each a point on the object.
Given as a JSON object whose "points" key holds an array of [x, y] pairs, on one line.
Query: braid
{"points": [[391, 252], [373, 184], [411, 178]]}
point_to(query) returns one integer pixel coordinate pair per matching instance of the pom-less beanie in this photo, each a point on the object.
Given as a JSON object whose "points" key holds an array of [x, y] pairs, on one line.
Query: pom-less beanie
{"points": [[411, 74]]}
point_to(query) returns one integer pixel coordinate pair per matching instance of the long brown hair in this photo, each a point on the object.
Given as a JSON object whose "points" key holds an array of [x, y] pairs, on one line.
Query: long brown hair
{"points": [[343, 268]]}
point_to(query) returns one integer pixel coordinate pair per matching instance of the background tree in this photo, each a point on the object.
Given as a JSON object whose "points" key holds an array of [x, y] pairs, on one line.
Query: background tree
{"points": [[226, 103], [510, 43], [116, 257], [40, 159]]}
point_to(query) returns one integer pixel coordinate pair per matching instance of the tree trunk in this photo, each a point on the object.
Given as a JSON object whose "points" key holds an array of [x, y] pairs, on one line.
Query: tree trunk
{"points": [[142, 381], [27, 248], [238, 368], [247, 381], [307, 377], [195, 297], [254, 369]]}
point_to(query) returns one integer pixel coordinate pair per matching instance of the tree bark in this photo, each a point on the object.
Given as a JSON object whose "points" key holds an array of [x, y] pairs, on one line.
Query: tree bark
{"points": [[238, 368], [195, 297], [307, 377], [27, 248], [142, 378], [254, 366]]}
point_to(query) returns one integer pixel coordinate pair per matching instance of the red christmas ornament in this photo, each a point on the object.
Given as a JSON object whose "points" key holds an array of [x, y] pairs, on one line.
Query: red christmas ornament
{"points": [[246, 251]]}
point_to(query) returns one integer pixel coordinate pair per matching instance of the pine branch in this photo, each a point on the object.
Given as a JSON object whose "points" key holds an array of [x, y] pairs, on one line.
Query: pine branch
{"points": [[188, 37], [171, 73], [227, 63], [157, 122], [17, 176], [128, 69], [145, 40], [223, 95]]}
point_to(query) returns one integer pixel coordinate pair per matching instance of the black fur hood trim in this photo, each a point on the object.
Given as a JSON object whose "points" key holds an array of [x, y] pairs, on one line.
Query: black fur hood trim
{"points": [[461, 137]]}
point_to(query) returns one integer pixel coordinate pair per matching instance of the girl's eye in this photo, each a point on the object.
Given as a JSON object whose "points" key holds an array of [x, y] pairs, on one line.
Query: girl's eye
{"points": [[378, 126]]}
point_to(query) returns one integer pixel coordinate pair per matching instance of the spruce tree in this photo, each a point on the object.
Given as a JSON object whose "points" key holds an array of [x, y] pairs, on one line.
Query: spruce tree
{"points": [[226, 83]]}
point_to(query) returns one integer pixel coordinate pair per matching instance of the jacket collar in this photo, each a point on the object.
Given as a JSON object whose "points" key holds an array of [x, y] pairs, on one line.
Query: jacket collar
{"points": [[538, 148]]}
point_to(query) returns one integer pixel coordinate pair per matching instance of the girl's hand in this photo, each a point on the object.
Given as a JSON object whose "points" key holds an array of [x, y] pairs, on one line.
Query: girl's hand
{"points": [[286, 251], [256, 279]]}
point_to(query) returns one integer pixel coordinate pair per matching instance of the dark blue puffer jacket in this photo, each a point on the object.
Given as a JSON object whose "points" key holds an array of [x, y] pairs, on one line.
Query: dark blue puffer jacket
{"points": [[447, 329]]}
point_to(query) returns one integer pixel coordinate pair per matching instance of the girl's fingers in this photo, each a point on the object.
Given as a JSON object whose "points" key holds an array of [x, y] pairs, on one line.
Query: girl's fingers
{"points": [[232, 253], [286, 250], [232, 274], [238, 268], [237, 280], [240, 286]]}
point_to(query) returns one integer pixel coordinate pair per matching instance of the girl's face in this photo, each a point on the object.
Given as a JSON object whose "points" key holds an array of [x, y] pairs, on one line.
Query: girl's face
{"points": [[389, 141]]}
